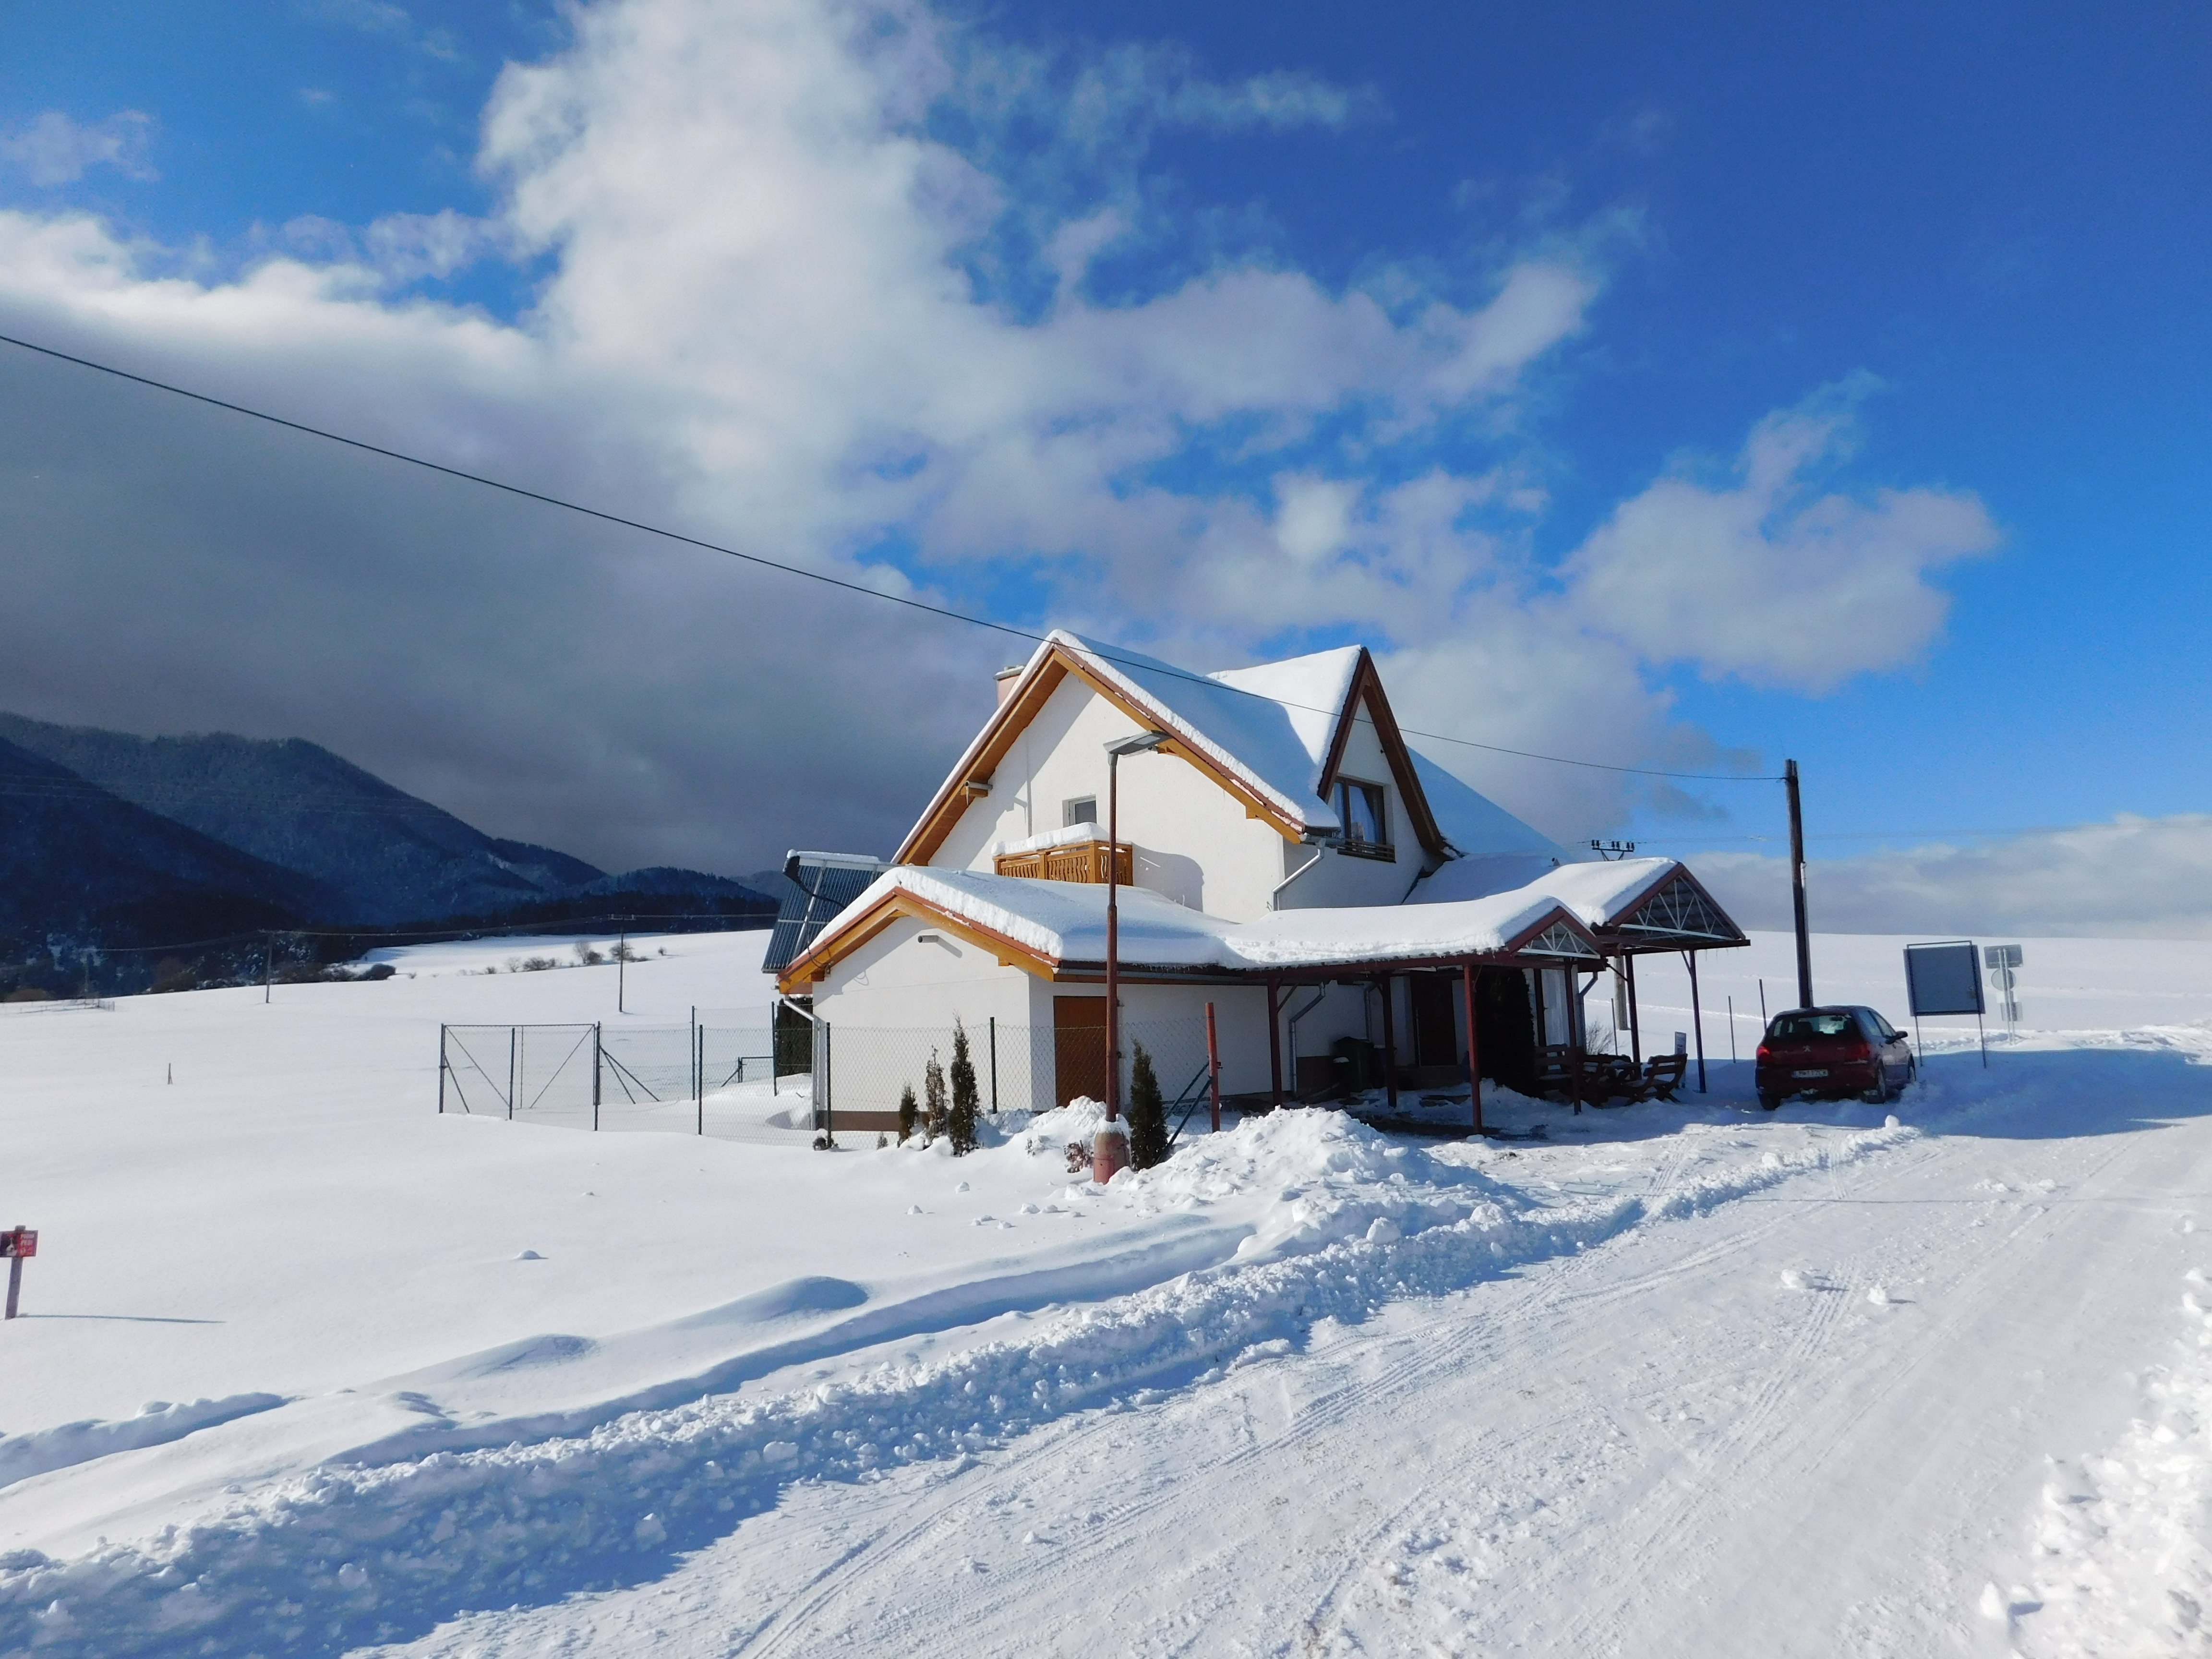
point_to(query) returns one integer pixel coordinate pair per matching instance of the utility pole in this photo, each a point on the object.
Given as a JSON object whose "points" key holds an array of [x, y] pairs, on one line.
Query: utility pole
{"points": [[1797, 884], [268, 965], [622, 969]]}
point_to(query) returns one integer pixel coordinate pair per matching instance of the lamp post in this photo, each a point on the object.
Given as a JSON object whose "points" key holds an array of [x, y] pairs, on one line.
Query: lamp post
{"points": [[1141, 743]]}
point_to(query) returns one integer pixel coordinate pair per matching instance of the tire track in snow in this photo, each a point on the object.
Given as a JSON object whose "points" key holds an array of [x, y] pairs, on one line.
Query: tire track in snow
{"points": [[1561, 1284], [340, 1556]]}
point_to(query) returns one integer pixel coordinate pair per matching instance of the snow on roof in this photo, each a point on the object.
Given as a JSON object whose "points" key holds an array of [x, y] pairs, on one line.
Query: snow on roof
{"points": [[1601, 891], [1065, 922], [1236, 718], [1597, 893], [1384, 932], [1478, 826], [1479, 877], [1310, 691]]}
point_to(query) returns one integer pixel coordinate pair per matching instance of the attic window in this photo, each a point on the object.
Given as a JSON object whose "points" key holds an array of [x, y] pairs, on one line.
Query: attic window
{"points": [[1084, 809], [1363, 810]]}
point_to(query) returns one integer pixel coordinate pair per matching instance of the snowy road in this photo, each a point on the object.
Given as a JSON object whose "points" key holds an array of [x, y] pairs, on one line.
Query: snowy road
{"points": [[1680, 1378], [1656, 1446]]}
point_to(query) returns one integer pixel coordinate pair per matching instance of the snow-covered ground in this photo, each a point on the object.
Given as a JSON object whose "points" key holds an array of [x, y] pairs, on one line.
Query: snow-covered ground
{"points": [[306, 1368]]}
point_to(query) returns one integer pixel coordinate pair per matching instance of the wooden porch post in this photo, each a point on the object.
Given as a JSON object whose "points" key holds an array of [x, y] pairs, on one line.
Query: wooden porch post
{"points": [[1474, 1052], [1274, 1041], [1389, 1050]]}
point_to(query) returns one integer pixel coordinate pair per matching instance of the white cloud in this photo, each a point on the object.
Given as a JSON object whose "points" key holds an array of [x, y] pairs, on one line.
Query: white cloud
{"points": [[787, 304], [1766, 577], [2134, 877], [55, 150]]}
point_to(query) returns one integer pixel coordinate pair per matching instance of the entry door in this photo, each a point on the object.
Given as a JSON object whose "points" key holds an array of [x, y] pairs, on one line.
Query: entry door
{"points": [[1078, 1048], [1436, 1034]]}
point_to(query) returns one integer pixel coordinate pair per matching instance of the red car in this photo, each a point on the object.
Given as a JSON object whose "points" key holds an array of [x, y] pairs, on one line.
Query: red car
{"points": [[1832, 1052]]}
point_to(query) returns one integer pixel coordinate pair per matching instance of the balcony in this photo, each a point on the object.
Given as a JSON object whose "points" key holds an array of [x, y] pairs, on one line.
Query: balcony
{"points": [[1072, 861]]}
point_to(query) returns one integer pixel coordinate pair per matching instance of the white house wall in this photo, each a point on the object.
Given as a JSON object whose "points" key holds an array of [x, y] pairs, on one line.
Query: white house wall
{"points": [[1222, 862], [1346, 879], [897, 996]]}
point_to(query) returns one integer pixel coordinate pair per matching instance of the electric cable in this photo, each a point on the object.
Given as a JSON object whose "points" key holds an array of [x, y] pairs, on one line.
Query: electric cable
{"points": [[861, 588]]}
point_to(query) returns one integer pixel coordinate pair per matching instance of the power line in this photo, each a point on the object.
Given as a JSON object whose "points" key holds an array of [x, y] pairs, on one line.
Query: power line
{"points": [[1869, 835], [860, 588]]}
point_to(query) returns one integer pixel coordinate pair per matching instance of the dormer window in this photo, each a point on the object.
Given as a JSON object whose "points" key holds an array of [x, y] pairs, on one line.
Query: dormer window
{"points": [[1362, 809], [1082, 810]]}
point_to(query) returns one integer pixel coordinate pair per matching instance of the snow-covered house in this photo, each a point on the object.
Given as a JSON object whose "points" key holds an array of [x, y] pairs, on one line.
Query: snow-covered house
{"points": [[1288, 858]]}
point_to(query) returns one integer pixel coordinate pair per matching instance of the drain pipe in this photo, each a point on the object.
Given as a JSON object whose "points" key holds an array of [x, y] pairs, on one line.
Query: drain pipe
{"points": [[1277, 892]]}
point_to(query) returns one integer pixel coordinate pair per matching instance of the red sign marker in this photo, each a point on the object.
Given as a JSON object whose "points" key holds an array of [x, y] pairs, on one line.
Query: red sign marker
{"points": [[15, 1244]]}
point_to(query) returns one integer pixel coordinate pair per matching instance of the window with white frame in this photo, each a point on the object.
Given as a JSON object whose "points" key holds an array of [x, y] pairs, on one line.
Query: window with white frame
{"points": [[1363, 810], [1084, 809]]}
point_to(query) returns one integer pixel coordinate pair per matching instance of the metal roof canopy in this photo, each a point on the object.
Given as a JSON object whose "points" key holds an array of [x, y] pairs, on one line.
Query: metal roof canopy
{"points": [[1677, 914]]}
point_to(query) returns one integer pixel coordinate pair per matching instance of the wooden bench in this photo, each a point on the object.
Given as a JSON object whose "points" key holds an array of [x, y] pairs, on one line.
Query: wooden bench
{"points": [[1662, 1075]]}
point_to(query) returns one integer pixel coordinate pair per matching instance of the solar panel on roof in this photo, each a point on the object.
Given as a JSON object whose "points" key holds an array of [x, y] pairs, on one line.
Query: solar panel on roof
{"points": [[825, 888]]}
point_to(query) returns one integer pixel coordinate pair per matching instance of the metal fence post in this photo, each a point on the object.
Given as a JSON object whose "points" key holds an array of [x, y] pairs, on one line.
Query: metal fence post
{"points": [[699, 1071], [513, 1074], [441, 1070], [595, 1074], [994, 1065]]}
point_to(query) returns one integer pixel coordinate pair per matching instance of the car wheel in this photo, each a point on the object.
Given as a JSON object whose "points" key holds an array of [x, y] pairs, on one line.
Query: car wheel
{"points": [[1879, 1095], [1772, 1102]]}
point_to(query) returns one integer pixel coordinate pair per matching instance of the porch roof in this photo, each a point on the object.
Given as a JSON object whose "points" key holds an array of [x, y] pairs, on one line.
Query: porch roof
{"points": [[1046, 927], [1631, 906]]}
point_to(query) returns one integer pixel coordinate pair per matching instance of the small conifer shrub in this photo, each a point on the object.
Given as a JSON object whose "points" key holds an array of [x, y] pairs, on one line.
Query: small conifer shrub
{"points": [[934, 1109], [1148, 1113], [908, 1112], [960, 1119]]}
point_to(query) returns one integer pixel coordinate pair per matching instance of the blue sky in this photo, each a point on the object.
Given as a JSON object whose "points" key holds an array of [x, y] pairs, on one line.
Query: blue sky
{"points": [[1965, 252]]}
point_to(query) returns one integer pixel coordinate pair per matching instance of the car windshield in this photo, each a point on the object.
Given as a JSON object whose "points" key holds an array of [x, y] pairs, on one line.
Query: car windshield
{"points": [[1800, 1028]]}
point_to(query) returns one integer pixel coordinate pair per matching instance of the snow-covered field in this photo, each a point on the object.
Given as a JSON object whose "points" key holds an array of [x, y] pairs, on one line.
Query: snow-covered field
{"points": [[306, 1368]]}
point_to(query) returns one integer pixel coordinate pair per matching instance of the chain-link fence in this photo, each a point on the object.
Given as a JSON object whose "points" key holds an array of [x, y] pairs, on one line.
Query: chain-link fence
{"points": [[731, 1080], [707, 1078]]}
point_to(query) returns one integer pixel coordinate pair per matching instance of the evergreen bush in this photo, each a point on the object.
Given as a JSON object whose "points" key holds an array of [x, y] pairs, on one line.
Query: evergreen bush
{"points": [[960, 1120], [934, 1110], [1148, 1113], [908, 1112]]}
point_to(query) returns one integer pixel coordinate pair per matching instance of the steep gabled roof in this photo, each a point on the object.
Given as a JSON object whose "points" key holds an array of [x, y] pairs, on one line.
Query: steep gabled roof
{"points": [[1272, 735]]}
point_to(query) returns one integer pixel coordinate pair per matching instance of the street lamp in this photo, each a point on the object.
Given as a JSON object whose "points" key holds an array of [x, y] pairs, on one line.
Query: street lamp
{"points": [[1141, 743]]}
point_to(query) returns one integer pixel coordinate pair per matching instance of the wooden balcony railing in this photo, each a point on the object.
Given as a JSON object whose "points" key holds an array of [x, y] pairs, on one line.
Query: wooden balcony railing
{"points": [[1075, 860]]}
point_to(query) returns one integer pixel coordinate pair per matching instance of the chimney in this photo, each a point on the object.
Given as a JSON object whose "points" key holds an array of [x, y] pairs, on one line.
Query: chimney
{"points": [[1008, 677]]}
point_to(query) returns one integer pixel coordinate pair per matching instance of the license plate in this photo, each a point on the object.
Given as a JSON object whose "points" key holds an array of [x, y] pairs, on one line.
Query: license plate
{"points": [[1821, 1071]]}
